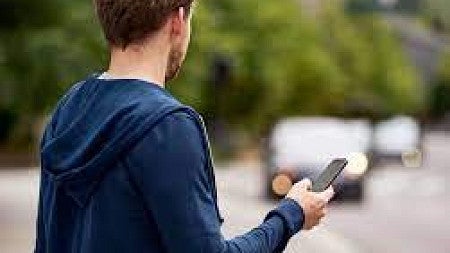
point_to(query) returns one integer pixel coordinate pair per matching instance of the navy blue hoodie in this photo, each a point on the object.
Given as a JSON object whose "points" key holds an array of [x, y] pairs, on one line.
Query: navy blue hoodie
{"points": [[127, 168]]}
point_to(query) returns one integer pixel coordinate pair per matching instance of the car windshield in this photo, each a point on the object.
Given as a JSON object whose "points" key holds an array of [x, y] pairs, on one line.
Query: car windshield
{"points": [[397, 135], [317, 141]]}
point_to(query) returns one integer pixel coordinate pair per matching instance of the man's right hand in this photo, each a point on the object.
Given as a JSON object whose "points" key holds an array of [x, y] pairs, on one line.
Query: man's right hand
{"points": [[313, 204]]}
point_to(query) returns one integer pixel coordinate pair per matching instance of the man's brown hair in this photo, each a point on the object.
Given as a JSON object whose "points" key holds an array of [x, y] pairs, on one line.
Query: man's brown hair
{"points": [[130, 21]]}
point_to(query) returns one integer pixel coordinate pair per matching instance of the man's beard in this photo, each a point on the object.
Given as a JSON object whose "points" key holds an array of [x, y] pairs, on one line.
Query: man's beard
{"points": [[176, 58]]}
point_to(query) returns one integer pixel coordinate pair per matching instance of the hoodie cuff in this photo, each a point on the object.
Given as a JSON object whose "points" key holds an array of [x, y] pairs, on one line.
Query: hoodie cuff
{"points": [[293, 218]]}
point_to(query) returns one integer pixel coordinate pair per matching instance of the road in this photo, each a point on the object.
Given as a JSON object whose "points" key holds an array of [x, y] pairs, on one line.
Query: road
{"points": [[405, 210]]}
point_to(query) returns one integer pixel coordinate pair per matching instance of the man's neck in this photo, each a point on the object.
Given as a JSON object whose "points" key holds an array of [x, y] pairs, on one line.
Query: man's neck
{"points": [[148, 63]]}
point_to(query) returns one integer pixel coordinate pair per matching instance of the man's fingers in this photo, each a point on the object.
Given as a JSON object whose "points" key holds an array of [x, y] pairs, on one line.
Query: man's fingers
{"points": [[327, 195], [323, 213], [321, 203], [305, 184]]}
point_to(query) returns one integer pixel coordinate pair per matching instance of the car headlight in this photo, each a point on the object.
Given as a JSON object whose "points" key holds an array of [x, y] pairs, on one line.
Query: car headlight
{"points": [[282, 184], [412, 159], [358, 164]]}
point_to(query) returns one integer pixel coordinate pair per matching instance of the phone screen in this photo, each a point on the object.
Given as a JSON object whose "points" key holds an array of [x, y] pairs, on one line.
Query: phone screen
{"points": [[329, 175]]}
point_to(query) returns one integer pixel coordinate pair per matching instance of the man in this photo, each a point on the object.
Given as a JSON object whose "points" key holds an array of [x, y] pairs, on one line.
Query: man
{"points": [[127, 168]]}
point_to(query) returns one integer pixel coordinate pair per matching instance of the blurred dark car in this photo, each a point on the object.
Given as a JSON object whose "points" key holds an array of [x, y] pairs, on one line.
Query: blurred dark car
{"points": [[398, 141], [302, 148]]}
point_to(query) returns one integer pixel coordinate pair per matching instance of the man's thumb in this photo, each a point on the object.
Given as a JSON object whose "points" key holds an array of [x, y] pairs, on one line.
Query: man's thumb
{"points": [[327, 195], [305, 184]]}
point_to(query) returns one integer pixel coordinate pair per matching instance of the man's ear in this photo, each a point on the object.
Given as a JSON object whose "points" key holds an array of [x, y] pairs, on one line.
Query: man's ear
{"points": [[178, 20]]}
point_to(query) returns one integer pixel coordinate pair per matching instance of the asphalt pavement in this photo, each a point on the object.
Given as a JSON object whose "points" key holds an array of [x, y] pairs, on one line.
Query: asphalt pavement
{"points": [[405, 210]]}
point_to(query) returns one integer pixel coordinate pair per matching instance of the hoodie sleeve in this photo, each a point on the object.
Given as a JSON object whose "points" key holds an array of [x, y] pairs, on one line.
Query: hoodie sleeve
{"points": [[168, 166]]}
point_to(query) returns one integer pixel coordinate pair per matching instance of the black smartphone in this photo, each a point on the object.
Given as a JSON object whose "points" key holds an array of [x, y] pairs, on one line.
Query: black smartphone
{"points": [[329, 175]]}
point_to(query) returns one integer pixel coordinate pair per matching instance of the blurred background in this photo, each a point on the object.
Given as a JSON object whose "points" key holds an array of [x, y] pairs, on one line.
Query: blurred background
{"points": [[284, 86]]}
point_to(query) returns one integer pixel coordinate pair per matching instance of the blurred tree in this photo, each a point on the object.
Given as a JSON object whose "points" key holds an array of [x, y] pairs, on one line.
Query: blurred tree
{"points": [[361, 6], [286, 64], [7, 119], [440, 95], [44, 46], [393, 82], [16, 14], [438, 11], [412, 6], [280, 62]]}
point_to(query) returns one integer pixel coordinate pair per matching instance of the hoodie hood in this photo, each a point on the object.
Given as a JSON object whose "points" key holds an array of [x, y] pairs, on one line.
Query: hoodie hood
{"points": [[94, 125]]}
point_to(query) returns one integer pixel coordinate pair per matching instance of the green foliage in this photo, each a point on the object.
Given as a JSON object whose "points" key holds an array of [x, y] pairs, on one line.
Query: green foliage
{"points": [[283, 63], [358, 6], [7, 119], [286, 64], [44, 47], [412, 6], [390, 83], [42, 55], [440, 95], [16, 14], [438, 12]]}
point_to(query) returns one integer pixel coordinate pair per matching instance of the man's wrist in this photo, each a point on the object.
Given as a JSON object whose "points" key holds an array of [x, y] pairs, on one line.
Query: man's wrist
{"points": [[292, 215]]}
